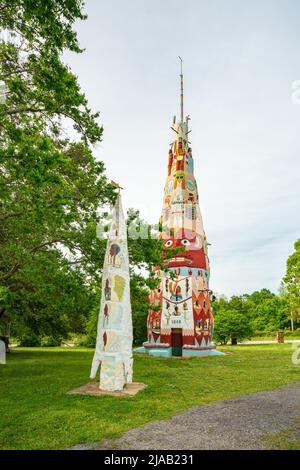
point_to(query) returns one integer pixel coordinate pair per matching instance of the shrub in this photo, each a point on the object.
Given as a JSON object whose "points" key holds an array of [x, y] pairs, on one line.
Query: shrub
{"points": [[29, 339], [231, 325]]}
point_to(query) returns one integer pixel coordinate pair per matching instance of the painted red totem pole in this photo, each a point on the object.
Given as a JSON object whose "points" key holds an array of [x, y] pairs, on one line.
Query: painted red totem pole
{"points": [[183, 326]]}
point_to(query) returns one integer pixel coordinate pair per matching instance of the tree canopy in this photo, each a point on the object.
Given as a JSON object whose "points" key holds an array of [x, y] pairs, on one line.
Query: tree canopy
{"points": [[232, 325], [291, 284], [263, 310], [51, 185]]}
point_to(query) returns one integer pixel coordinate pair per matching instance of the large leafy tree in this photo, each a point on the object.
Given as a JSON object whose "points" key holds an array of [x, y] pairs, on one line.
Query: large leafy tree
{"points": [[232, 325], [51, 186], [292, 284], [270, 315]]}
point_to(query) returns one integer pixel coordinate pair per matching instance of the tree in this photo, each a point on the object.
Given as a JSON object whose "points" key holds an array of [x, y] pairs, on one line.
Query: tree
{"points": [[231, 325], [292, 285], [270, 315], [240, 303], [258, 297], [265, 311], [57, 302], [50, 185]]}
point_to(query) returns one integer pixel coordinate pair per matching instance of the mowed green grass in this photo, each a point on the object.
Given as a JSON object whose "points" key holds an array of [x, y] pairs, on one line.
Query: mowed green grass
{"points": [[36, 413]]}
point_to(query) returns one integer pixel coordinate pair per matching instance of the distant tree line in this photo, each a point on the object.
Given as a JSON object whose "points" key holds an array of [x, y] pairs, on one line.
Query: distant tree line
{"points": [[262, 312]]}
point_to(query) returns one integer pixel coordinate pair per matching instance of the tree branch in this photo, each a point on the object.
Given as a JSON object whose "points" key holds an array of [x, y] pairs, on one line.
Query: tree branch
{"points": [[24, 110]]}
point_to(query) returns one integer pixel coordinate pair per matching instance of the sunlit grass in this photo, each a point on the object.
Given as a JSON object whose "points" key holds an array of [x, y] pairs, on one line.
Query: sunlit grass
{"points": [[36, 413]]}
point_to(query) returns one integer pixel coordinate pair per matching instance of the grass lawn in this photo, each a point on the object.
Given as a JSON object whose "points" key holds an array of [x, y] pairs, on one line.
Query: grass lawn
{"points": [[36, 413]]}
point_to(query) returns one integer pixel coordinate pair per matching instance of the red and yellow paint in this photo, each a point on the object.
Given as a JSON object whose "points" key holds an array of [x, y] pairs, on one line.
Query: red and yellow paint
{"points": [[183, 299]]}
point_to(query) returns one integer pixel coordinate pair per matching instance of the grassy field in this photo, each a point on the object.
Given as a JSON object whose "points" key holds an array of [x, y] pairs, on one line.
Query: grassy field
{"points": [[36, 413]]}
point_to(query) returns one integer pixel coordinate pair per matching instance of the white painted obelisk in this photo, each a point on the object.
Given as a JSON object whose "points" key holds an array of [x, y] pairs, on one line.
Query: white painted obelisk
{"points": [[114, 334]]}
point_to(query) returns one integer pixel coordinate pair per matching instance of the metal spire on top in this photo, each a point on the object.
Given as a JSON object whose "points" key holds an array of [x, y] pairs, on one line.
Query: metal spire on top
{"points": [[181, 88]]}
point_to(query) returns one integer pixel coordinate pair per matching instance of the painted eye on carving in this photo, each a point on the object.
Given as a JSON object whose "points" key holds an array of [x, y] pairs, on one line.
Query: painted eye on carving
{"points": [[185, 242], [169, 243]]}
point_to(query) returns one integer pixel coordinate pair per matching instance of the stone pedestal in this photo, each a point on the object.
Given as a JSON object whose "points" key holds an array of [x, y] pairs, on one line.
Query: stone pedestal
{"points": [[92, 389]]}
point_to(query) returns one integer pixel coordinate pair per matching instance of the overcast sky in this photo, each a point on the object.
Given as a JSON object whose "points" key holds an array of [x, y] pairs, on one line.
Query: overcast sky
{"points": [[240, 61]]}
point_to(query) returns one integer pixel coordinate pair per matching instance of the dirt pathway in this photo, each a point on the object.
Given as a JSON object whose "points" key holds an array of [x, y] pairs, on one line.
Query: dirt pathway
{"points": [[235, 423]]}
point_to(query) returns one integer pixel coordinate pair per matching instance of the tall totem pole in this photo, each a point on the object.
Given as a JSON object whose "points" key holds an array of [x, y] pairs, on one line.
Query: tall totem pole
{"points": [[182, 322], [114, 334]]}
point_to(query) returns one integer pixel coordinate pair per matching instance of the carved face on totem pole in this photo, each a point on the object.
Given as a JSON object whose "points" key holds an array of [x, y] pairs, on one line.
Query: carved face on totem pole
{"points": [[193, 254]]}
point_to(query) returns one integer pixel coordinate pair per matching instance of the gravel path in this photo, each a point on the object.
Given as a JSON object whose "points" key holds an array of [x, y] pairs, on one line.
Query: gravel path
{"points": [[235, 423]]}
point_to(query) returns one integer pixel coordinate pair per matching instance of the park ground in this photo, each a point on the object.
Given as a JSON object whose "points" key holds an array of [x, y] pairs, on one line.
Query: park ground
{"points": [[36, 412]]}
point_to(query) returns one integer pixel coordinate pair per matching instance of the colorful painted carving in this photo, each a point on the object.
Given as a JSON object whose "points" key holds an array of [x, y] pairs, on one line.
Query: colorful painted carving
{"points": [[183, 293], [114, 335]]}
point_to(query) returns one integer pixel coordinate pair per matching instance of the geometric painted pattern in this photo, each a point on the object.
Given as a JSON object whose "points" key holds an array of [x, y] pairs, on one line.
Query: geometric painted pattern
{"points": [[183, 293], [113, 351]]}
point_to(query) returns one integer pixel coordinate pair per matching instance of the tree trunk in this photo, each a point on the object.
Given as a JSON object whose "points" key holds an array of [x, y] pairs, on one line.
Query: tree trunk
{"points": [[233, 341], [2, 312]]}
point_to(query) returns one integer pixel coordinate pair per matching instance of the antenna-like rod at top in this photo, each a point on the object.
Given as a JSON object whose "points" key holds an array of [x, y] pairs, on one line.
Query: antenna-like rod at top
{"points": [[181, 90]]}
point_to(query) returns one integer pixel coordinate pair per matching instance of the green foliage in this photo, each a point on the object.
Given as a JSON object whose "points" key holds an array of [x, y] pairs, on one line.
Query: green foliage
{"points": [[145, 249], [270, 315], [54, 301], [231, 325], [28, 338], [264, 310], [140, 306], [258, 297], [292, 334], [90, 335], [291, 284], [238, 303], [271, 335], [41, 22], [145, 252], [50, 186]]}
